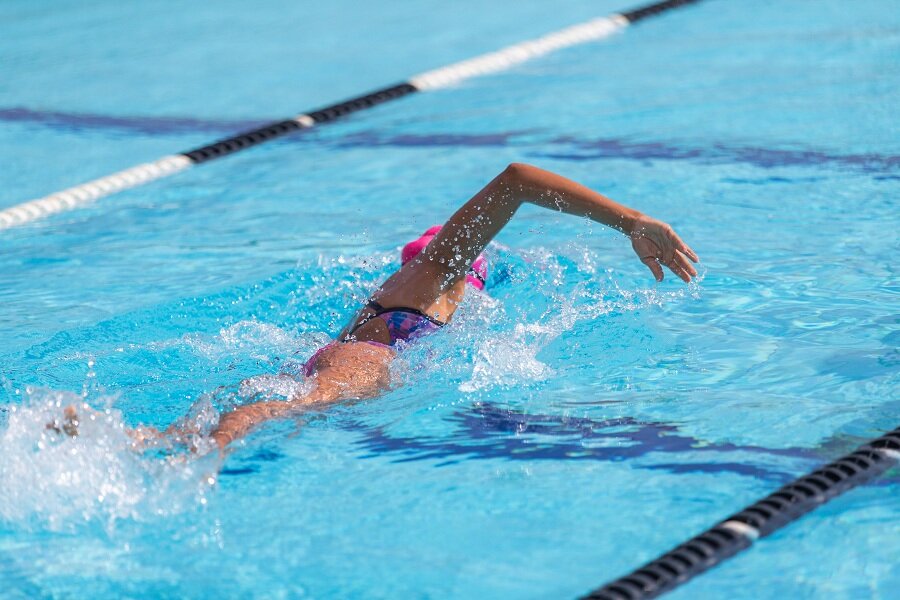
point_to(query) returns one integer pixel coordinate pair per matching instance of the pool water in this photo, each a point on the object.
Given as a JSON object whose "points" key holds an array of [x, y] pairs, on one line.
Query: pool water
{"points": [[572, 423]]}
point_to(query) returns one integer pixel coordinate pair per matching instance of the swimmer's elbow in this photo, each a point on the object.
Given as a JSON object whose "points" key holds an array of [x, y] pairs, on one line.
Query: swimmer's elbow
{"points": [[517, 172], [520, 180]]}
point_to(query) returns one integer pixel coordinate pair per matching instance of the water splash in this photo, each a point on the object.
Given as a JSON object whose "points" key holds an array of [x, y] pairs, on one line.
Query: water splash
{"points": [[273, 387], [256, 339], [540, 295], [534, 296], [54, 481]]}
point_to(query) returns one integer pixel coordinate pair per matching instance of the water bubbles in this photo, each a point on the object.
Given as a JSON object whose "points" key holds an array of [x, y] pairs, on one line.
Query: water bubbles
{"points": [[90, 383]]}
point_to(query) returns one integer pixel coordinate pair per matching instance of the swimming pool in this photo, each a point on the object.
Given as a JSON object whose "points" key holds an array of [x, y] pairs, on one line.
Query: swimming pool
{"points": [[573, 424]]}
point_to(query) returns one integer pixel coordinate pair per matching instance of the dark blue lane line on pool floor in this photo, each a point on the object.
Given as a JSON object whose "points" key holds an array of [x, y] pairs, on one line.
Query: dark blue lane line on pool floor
{"points": [[490, 432], [74, 121], [572, 148], [601, 149]]}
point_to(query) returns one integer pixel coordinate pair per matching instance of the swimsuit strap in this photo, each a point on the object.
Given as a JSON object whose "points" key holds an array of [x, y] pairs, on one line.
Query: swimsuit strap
{"points": [[380, 310]]}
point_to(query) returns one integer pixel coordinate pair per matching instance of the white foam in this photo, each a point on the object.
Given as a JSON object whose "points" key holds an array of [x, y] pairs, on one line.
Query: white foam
{"points": [[506, 361], [261, 341], [509, 358], [50, 480], [270, 387]]}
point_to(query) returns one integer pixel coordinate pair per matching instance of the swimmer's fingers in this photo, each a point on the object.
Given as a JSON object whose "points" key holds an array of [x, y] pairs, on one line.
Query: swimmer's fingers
{"points": [[663, 248], [654, 267], [680, 271], [680, 246], [681, 266], [665, 237], [684, 263], [650, 254]]}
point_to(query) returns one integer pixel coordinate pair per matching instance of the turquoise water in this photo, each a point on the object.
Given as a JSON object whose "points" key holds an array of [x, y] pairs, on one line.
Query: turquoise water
{"points": [[571, 425]]}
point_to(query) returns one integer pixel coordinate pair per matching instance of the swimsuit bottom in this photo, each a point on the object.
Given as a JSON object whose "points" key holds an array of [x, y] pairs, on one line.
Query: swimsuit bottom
{"points": [[403, 324]]}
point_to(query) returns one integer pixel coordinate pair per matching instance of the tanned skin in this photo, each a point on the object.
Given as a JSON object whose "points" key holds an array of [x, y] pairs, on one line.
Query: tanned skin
{"points": [[434, 282]]}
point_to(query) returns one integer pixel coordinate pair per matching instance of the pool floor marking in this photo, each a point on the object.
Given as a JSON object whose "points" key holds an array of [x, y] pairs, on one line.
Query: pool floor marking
{"points": [[442, 77], [739, 531]]}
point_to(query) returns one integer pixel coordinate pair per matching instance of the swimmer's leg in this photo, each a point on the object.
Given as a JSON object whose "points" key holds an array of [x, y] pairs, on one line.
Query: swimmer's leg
{"points": [[349, 371], [243, 419]]}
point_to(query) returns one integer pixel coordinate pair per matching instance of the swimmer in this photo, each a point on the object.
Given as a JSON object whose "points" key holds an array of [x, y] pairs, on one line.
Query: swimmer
{"points": [[424, 293]]}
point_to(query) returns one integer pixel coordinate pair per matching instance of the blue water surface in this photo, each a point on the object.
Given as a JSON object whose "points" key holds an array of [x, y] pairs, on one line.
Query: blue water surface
{"points": [[572, 423]]}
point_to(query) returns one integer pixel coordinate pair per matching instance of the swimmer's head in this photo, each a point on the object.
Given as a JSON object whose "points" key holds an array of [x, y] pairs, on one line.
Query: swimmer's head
{"points": [[477, 274]]}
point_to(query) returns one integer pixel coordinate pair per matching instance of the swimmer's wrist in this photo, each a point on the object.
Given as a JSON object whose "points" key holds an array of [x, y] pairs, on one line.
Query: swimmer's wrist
{"points": [[629, 221]]}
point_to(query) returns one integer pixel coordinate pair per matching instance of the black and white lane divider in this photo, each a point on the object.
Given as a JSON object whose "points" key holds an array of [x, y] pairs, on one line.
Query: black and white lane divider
{"points": [[739, 531], [481, 65]]}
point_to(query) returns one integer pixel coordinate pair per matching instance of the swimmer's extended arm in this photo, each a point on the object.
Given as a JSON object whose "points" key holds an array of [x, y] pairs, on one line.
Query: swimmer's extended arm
{"points": [[474, 225]]}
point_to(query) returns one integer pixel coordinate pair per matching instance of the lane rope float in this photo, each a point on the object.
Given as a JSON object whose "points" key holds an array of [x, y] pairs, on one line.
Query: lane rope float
{"points": [[485, 64], [739, 531]]}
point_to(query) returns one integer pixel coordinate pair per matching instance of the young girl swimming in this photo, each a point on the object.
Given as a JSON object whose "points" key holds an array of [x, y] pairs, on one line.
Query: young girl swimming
{"points": [[425, 292]]}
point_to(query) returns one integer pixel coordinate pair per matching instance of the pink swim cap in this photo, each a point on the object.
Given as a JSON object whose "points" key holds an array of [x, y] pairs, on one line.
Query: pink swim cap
{"points": [[477, 274]]}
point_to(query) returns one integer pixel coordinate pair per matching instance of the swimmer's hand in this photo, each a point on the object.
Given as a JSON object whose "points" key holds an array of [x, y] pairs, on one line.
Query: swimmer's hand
{"points": [[656, 243]]}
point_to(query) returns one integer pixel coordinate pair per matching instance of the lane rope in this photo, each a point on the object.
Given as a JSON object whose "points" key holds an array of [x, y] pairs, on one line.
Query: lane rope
{"points": [[738, 532], [485, 64]]}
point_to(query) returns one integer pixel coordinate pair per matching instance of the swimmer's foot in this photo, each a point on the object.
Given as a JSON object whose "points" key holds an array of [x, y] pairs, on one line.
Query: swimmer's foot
{"points": [[142, 437], [68, 424]]}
